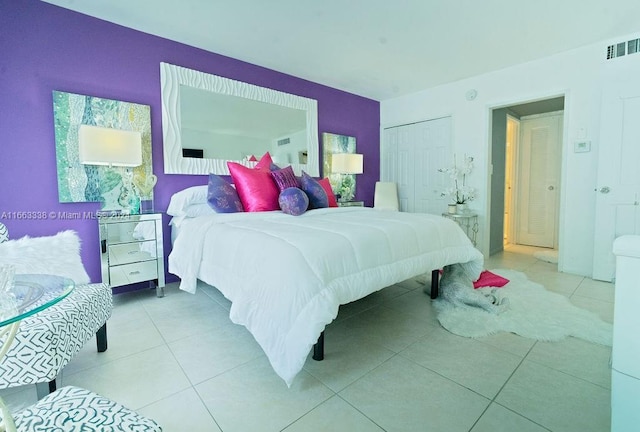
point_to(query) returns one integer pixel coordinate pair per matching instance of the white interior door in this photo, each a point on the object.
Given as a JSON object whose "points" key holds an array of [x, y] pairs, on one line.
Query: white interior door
{"points": [[618, 186], [511, 145], [538, 180]]}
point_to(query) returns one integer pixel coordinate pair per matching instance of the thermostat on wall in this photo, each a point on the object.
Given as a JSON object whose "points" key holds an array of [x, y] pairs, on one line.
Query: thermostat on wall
{"points": [[582, 146]]}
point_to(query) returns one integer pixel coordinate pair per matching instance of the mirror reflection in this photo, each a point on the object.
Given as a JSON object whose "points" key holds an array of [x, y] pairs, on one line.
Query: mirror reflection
{"points": [[235, 128], [208, 120]]}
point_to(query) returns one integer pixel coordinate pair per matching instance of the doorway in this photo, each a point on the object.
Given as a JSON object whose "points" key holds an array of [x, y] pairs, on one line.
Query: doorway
{"points": [[526, 172]]}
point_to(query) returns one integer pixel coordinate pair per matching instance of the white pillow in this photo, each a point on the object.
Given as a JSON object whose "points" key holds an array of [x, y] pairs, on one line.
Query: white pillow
{"points": [[195, 210], [186, 197], [55, 255]]}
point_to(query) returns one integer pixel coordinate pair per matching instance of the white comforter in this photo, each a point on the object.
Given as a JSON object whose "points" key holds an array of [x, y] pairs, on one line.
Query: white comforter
{"points": [[286, 276]]}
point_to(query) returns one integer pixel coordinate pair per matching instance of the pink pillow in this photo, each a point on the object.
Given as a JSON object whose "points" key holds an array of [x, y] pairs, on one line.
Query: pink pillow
{"points": [[488, 279], [256, 188], [333, 202], [264, 162]]}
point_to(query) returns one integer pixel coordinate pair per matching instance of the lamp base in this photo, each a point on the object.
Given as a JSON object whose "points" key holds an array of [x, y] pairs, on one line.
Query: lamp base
{"points": [[146, 206]]}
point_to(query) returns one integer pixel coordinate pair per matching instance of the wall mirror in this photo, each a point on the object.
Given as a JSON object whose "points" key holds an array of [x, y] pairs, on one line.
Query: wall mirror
{"points": [[208, 120]]}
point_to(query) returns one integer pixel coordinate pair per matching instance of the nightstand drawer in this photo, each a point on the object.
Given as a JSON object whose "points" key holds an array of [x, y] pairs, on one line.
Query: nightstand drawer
{"points": [[132, 273], [125, 232], [126, 253]]}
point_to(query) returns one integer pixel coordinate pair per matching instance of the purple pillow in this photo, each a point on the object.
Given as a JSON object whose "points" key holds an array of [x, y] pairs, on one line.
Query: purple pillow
{"points": [[314, 190], [222, 197], [293, 201], [285, 178]]}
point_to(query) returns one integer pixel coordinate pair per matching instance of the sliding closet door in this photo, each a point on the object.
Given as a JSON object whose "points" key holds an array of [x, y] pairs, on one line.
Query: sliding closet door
{"points": [[432, 152], [411, 156]]}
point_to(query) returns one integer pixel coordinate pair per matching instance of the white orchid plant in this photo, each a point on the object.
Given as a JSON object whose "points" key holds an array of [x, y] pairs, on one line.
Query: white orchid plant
{"points": [[459, 192]]}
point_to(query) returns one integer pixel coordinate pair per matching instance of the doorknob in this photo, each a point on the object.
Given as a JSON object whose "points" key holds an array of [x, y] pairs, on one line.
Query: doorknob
{"points": [[605, 189], [551, 188]]}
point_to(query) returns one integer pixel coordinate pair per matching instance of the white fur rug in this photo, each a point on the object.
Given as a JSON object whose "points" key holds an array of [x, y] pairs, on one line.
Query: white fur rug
{"points": [[533, 312]]}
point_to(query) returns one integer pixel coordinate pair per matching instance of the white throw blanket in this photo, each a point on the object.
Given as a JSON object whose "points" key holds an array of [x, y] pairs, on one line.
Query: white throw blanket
{"points": [[286, 276]]}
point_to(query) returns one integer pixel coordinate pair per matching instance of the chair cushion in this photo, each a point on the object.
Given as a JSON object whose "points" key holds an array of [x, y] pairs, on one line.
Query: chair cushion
{"points": [[48, 340], [73, 409]]}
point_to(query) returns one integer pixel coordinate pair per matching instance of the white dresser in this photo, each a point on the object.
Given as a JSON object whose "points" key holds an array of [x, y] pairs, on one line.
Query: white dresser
{"points": [[131, 250], [625, 373]]}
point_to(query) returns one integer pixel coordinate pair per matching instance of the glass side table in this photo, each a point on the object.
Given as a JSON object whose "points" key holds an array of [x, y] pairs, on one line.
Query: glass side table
{"points": [[468, 221], [28, 295]]}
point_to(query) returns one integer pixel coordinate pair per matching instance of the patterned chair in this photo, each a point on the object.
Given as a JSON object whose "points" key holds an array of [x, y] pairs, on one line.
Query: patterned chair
{"points": [[72, 409], [48, 340]]}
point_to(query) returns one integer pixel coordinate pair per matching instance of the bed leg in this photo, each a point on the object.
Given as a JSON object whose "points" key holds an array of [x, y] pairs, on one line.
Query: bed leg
{"points": [[435, 277], [318, 348]]}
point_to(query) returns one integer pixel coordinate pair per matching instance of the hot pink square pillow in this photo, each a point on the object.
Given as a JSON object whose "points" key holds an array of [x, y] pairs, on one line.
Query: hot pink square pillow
{"points": [[256, 188], [333, 202], [488, 279], [265, 162]]}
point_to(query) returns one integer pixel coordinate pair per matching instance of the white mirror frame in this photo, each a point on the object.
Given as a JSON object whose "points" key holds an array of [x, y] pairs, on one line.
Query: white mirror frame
{"points": [[172, 77]]}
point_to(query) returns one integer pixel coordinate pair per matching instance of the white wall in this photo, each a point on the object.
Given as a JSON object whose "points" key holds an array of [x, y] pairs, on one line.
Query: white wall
{"points": [[577, 74]]}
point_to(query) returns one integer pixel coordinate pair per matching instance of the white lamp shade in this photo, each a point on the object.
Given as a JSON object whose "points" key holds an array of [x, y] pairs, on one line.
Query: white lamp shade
{"points": [[347, 163], [113, 147]]}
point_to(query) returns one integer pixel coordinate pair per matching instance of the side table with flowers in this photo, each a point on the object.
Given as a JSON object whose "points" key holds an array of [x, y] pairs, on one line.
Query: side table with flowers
{"points": [[460, 193]]}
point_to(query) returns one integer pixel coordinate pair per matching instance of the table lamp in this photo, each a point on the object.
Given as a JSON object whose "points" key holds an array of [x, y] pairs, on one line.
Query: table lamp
{"points": [[113, 148], [347, 164]]}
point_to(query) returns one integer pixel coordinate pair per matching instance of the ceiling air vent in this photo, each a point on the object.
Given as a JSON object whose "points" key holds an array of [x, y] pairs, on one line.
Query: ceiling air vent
{"points": [[284, 141], [622, 48]]}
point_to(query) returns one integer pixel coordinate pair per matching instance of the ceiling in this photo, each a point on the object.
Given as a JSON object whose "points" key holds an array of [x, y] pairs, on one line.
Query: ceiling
{"points": [[379, 49]]}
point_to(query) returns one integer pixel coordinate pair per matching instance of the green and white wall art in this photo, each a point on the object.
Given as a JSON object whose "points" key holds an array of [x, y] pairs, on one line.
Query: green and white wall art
{"points": [[118, 188]]}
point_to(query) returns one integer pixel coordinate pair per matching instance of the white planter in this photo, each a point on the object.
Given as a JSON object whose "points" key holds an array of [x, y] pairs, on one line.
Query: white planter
{"points": [[462, 208]]}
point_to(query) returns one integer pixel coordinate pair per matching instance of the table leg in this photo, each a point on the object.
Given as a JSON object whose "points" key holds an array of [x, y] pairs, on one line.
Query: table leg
{"points": [[7, 424]]}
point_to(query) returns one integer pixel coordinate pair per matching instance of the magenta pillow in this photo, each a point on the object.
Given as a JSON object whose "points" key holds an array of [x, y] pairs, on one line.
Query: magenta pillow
{"points": [[326, 185], [285, 178], [314, 190], [488, 279], [293, 201], [222, 197], [256, 188], [265, 162]]}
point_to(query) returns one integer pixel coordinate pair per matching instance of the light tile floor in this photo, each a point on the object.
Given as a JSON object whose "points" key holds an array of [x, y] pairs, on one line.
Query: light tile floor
{"points": [[389, 366]]}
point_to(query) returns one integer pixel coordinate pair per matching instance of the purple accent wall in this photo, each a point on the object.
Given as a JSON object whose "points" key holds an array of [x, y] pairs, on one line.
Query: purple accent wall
{"points": [[45, 48]]}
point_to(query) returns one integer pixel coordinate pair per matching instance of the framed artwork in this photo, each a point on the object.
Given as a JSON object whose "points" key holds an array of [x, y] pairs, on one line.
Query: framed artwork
{"points": [[118, 188], [343, 185]]}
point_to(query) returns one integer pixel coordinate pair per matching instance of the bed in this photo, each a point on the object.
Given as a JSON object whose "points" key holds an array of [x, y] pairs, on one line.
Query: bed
{"points": [[286, 276]]}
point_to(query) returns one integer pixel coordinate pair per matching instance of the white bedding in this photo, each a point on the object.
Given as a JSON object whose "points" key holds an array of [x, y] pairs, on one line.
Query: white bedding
{"points": [[286, 276]]}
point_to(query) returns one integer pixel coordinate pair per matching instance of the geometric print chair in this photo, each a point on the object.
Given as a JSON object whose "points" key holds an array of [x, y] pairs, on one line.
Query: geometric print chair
{"points": [[48, 340], [72, 409]]}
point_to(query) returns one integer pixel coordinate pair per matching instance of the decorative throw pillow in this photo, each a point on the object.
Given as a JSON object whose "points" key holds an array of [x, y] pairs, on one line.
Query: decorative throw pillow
{"points": [[333, 202], [488, 279], [223, 197], [256, 188], [314, 190], [55, 255], [265, 162], [285, 178], [293, 201], [186, 197]]}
